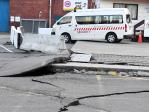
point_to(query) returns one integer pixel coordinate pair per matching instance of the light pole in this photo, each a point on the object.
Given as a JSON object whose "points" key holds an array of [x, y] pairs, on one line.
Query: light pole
{"points": [[50, 12], [39, 16]]}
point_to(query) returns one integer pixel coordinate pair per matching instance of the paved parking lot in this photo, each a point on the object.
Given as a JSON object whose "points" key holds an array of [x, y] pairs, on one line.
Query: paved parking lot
{"points": [[126, 47], [126, 52]]}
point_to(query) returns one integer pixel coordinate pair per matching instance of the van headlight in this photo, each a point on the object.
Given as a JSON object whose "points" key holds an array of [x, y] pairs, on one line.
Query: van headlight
{"points": [[53, 31]]}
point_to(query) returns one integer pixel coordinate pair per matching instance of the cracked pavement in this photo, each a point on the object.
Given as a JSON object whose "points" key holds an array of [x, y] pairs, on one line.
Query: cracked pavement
{"points": [[73, 92], [50, 93]]}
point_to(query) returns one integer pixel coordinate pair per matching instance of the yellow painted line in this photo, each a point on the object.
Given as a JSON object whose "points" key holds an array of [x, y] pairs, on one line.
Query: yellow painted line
{"points": [[113, 73], [98, 77]]}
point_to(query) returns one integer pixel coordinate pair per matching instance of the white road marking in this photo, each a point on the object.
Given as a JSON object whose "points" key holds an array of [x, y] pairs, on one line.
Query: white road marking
{"points": [[5, 48]]}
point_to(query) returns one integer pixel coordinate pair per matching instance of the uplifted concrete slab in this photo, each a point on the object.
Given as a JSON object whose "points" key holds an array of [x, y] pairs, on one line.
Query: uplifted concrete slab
{"points": [[14, 64], [123, 48], [25, 64], [20, 61], [91, 66]]}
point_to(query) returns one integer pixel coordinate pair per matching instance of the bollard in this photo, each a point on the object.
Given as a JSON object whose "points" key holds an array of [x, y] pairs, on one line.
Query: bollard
{"points": [[62, 44]]}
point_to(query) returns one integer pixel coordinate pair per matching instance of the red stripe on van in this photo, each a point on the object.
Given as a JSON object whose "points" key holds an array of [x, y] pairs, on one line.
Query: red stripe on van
{"points": [[100, 28]]}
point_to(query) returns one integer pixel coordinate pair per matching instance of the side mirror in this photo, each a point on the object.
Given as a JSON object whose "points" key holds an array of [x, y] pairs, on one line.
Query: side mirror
{"points": [[58, 23], [53, 33]]}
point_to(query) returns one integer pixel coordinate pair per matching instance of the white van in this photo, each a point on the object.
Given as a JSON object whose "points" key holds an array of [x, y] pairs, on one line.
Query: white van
{"points": [[110, 24]]}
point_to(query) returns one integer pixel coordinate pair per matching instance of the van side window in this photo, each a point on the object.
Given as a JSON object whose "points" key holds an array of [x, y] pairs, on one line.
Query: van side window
{"points": [[100, 19], [65, 20], [105, 20], [116, 19], [128, 18], [85, 19], [110, 19]]}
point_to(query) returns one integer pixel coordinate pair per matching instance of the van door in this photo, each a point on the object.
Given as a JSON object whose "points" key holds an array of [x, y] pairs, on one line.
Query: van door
{"points": [[128, 25], [100, 28], [83, 28]]}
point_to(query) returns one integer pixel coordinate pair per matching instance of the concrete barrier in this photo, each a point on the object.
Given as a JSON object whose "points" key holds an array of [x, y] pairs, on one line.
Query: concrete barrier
{"points": [[40, 42], [44, 31], [50, 44], [16, 37], [12, 34]]}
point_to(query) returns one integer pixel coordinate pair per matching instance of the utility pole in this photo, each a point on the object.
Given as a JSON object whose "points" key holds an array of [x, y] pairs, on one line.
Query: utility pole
{"points": [[50, 13]]}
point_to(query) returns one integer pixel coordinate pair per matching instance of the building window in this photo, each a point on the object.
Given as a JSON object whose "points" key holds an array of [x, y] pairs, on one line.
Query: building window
{"points": [[32, 25], [133, 8]]}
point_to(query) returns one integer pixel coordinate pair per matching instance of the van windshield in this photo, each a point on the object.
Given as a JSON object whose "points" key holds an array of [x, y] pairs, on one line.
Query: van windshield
{"points": [[128, 18], [65, 20]]}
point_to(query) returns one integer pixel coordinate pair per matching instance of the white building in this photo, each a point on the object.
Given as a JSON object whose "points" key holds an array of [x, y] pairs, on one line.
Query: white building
{"points": [[139, 8], [139, 11]]}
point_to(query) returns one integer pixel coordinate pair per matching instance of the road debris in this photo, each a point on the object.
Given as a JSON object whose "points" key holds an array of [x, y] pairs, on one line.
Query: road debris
{"points": [[81, 57]]}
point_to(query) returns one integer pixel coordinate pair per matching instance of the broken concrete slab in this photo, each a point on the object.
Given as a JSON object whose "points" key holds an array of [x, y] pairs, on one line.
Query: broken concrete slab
{"points": [[26, 64], [23, 65], [81, 57], [91, 66]]}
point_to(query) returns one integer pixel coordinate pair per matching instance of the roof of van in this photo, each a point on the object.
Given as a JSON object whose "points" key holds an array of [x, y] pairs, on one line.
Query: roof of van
{"points": [[101, 11]]}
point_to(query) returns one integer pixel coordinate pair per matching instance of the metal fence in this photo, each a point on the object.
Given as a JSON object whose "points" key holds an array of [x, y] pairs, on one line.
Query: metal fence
{"points": [[32, 25]]}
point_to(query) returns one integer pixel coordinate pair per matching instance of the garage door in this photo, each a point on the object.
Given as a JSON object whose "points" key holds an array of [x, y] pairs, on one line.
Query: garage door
{"points": [[4, 15]]}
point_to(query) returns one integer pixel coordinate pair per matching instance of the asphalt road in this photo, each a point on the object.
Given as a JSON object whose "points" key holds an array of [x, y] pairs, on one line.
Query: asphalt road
{"points": [[95, 93], [87, 92]]}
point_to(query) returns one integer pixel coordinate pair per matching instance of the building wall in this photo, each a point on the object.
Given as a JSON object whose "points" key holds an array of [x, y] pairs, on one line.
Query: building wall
{"points": [[29, 9], [143, 5], [57, 9]]}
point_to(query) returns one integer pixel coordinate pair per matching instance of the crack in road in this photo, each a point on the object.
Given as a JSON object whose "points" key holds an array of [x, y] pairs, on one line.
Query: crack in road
{"points": [[113, 94], [76, 102], [29, 91], [61, 89], [42, 82]]}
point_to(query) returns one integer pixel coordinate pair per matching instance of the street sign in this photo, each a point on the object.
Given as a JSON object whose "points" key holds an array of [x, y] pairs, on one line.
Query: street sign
{"points": [[69, 5]]}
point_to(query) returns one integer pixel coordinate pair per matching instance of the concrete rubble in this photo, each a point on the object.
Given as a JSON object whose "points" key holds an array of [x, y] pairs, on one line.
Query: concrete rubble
{"points": [[81, 57]]}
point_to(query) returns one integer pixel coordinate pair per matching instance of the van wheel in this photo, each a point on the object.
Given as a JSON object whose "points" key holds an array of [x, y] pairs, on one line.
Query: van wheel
{"points": [[111, 38], [66, 37]]}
